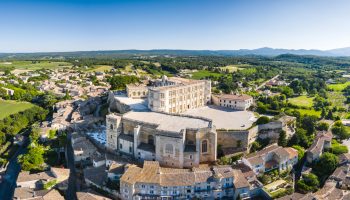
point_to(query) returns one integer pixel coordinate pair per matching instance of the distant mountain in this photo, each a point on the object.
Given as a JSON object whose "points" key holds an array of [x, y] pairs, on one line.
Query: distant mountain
{"points": [[341, 51], [266, 51]]}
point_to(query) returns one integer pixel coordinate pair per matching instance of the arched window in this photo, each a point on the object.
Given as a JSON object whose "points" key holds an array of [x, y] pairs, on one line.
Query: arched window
{"points": [[151, 139], [111, 126], [169, 149], [204, 146]]}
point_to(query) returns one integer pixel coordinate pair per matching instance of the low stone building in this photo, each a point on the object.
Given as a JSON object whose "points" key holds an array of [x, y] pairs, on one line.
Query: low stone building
{"points": [[153, 181], [271, 157], [233, 101], [322, 141]]}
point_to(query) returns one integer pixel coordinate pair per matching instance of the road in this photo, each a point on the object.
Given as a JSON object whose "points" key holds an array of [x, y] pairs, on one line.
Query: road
{"points": [[72, 184], [8, 185]]}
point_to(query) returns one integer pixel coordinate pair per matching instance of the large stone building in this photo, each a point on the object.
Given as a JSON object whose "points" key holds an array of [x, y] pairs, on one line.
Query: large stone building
{"points": [[173, 95], [173, 140], [155, 182]]}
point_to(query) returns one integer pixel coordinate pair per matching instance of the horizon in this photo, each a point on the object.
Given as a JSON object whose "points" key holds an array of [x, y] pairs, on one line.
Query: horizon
{"points": [[160, 49], [38, 26]]}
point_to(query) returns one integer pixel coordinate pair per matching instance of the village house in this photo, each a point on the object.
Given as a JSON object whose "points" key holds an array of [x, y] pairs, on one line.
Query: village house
{"points": [[322, 141], [271, 157], [38, 180], [233, 101], [153, 181], [30, 194]]}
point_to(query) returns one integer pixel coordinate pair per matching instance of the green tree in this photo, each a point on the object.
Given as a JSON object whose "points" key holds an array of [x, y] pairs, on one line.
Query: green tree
{"points": [[263, 120], [301, 151], [322, 126], [327, 163], [309, 183], [282, 139], [33, 160]]}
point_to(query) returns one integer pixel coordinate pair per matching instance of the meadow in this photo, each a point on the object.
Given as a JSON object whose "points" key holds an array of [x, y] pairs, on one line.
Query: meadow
{"points": [[101, 68], [338, 87], [200, 74], [302, 101], [11, 107], [29, 65]]}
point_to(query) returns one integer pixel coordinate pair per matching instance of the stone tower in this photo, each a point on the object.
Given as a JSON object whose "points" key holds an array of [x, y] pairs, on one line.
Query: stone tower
{"points": [[113, 129]]}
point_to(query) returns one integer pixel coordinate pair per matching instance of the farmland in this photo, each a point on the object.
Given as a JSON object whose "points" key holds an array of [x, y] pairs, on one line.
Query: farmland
{"points": [[339, 87], [30, 65], [304, 101], [11, 107]]}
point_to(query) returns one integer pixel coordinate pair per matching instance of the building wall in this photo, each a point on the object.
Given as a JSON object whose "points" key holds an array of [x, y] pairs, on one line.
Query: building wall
{"points": [[113, 129], [178, 99], [236, 104], [137, 92]]}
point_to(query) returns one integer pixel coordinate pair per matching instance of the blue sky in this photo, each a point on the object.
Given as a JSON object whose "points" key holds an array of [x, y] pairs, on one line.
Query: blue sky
{"points": [[52, 25]]}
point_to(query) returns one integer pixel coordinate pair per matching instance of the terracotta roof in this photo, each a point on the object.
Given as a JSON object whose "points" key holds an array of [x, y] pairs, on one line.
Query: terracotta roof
{"points": [[25, 176], [153, 173], [90, 196], [258, 157], [233, 97], [53, 195], [240, 181], [317, 146]]}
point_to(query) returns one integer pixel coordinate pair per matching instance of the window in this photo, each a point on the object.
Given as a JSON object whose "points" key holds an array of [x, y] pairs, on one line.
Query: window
{"points": [[130, 149], [120, 146], [111, 127], [162, 95], [150, 140], [143, 186], [205, 146], [169, 149]]}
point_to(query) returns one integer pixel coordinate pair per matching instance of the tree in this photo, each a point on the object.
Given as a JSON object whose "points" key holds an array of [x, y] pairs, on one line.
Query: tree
{"points": [[309, 183], [340, 131], [308, 123], [282, 139], [33, 160], [327, 163], [330, 115], [300, 138], [322, 126], [263, 120], [301, 151]]}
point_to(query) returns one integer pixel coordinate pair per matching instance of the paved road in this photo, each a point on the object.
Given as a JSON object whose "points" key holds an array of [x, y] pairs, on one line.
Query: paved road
{"points": [[8, 185], [72, 184]]}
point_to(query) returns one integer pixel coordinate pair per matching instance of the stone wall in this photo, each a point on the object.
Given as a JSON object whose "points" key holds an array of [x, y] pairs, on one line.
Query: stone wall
{"points": [[114, 105]]}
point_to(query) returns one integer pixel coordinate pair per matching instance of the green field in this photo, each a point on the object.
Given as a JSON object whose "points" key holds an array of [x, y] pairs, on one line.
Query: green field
{"points": [[11, 107], [101, 68], [338, 87], [309, 112], [200, 74], [231, 68], [337, 99], [302, 101], [29, 65]]}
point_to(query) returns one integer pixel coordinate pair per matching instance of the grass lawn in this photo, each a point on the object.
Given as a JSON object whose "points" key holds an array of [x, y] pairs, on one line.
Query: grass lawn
{"points": [[11, 107], [28, 65], [339, 87], [302, 101], [204, 73], [101, 68], [309, 112]]}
